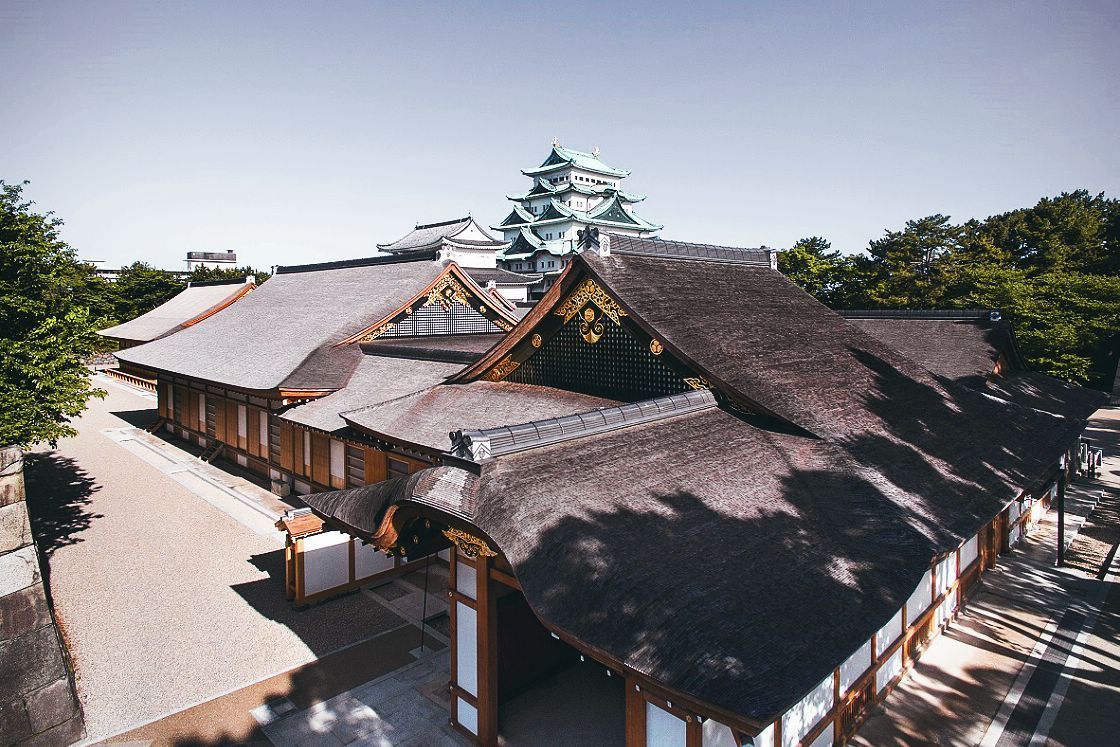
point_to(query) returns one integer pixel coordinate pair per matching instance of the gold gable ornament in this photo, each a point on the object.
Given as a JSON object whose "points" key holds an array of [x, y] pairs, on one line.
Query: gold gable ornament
{"points": [[378, 332], [504, 368], [587, 293], [471, 546], [446, 293]]}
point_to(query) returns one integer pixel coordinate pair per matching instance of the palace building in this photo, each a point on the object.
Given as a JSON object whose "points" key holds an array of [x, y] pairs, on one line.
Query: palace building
{"points": [[465, 242], [571, 191], [197, 302], [746, 513], [682, 469], [262, 383]]}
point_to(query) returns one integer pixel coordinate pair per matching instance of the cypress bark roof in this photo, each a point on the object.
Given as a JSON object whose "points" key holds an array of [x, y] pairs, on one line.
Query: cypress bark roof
{"points": [[375, 379], [196, 302], [281, 335], [428, 417], [957, 348], [965, 347]]}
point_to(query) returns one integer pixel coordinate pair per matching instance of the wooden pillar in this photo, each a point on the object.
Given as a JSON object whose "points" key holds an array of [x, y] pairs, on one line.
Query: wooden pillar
{"points": [[635, 715], [487, 655]]}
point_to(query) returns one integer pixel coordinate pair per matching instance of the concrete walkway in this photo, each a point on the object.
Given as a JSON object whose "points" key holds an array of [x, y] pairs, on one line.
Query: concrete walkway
{"points": [[1034, 657], [165, 598]]}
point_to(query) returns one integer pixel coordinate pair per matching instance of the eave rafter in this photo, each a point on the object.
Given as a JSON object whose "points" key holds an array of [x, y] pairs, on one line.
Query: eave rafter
{"points": [[452, 287]]}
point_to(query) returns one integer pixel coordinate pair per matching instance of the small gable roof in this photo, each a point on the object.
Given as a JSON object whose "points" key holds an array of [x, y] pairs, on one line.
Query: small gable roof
{"points": [[190, 306], [430, 235]]}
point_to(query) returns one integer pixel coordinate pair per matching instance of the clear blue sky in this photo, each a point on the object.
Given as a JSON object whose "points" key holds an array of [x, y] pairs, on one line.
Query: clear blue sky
{"points": [[310, 131]]}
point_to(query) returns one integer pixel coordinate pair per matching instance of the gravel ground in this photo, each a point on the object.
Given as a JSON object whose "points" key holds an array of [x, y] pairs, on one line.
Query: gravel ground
{"points": [[164, 599]]}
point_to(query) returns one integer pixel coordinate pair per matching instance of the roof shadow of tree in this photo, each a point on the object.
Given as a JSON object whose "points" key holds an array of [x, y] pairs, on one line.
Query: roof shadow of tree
{"points": [[59, 492], [748, 612], [957, 454]]}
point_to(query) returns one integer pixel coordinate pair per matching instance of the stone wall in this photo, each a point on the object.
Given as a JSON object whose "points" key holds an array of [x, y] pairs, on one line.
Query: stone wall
{"points": [[38, 704]]}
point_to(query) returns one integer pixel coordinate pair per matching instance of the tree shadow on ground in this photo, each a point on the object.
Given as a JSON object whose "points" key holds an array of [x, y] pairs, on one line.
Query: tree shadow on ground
{"points": [[59, 493]]}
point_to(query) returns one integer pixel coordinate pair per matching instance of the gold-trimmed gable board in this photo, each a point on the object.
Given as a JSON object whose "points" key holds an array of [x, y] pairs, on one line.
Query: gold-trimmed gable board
{"points": [[588, 343], [452, 288]]}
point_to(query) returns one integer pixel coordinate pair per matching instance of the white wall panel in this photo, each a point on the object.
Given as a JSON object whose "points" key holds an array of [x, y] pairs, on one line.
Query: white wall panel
{"points": [[326, 561], [947, 607], [888, 670], [466, 648], [715, 734], [368, 561], [467, 715], [824, 739], [242, 422], [765, 738], [466, 580], [857, 664], [338, 458], [969, 552], [889, 633], [919, 600], [797, 721], [663, 729], [201, 412]]}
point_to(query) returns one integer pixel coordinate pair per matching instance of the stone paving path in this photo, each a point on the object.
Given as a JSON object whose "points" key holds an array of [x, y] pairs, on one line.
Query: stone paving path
{"points": [[165, 599]]}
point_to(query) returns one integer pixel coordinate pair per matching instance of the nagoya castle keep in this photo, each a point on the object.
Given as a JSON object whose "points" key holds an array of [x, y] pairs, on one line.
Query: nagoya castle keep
{"points": [[571, 191]]}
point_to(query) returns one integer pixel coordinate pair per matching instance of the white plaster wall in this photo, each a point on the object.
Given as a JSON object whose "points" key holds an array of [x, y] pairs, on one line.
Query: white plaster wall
{"points": [[467, 715], [970, 551], [919, 600], [797, 721], [888, 670], [663, 729], [368, 561], [466, 647], [466, 580], [889, 633], [326, 561], [765, 738], [338, 459], [715, 734], [824, 739], [857, 664]]}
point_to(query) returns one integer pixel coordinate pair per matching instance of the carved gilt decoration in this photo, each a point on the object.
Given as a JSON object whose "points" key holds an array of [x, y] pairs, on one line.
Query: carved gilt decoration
{"points": [[447, 292], [589, 292], [591, 326], [468, 544], [378, 332], [698, 382], [656, 347], [537, 341], [504, 368], [503, 325]]}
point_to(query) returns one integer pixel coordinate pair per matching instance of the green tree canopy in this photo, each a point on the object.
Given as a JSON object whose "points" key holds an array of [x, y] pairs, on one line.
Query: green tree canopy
{"points": [[1053, 270], [140, 288], [200, 274], [46, 330]]}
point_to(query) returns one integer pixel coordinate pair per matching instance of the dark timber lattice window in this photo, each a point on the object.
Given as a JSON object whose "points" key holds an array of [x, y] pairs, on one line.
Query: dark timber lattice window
{"points": [[618, 366], [436, 320], [355, 466]]}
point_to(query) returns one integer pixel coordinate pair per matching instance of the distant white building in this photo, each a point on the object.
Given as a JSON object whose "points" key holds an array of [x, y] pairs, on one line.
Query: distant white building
{"points": [[465, 242], [572, 191], [211, 259]]}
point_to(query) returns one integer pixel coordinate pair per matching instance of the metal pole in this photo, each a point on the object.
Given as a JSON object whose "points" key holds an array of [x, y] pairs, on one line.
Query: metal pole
{"points": [[424, 610], [1061, 518]]}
